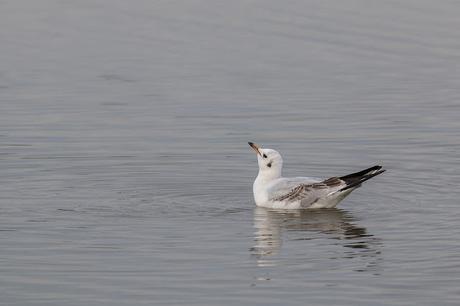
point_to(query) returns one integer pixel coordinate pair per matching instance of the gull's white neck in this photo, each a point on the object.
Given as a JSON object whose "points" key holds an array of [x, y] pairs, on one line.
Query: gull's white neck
{"points": [[270, 167], [263, 180], [268, 175]]}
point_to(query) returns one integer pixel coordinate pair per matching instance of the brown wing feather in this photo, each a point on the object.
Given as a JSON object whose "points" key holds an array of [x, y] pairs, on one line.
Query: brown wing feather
{"points": [[303, 191], [295, 192]]}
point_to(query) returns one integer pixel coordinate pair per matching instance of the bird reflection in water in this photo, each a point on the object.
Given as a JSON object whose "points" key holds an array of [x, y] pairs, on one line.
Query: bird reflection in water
{"points": [[334, 226]]}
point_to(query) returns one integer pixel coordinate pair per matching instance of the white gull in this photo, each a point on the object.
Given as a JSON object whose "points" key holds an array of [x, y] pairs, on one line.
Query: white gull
{"points": [[271, 190]]}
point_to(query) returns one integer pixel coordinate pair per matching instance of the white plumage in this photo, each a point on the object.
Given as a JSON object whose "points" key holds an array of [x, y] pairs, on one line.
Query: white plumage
{"points": [[271, 190]]}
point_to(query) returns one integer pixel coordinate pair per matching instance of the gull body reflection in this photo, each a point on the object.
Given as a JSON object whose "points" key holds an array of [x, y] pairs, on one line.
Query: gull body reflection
{"points": [[325, 235]]}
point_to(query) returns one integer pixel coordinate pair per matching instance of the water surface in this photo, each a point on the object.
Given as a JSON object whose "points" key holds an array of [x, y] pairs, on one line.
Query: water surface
{"points": [[125, 172]]}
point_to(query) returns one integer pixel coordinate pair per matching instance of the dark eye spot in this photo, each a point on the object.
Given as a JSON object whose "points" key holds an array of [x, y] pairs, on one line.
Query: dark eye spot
{"points": [[269, 165], [265, 156]]}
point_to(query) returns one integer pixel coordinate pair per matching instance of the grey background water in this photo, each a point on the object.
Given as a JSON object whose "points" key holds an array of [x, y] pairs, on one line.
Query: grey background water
{"points": [[125, 175]]}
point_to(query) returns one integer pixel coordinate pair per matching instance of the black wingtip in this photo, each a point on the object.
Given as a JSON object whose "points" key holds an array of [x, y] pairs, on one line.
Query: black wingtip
{"points": [[363, 179], [250, 143], [361, 173]]}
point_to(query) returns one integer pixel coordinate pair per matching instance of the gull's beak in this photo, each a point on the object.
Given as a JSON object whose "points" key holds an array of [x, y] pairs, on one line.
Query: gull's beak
{"points": [[255, 147]]}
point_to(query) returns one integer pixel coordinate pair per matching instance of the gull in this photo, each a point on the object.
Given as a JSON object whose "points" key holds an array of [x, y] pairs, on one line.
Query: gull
{"points": [[271, 190]]}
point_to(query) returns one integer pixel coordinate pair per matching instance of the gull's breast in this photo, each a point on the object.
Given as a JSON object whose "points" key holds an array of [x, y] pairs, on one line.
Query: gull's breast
{"points": [[260, 193]]}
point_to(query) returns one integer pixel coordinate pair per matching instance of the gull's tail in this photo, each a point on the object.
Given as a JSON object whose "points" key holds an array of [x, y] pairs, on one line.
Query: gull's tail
{"points": [[355, 179]]}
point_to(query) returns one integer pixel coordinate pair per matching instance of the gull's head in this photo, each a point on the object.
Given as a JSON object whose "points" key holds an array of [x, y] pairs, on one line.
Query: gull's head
{"points": [[270, 161]]}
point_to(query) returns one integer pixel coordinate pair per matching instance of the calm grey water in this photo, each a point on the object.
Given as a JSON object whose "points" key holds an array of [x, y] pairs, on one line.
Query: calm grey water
{"points": [[125, 175]]}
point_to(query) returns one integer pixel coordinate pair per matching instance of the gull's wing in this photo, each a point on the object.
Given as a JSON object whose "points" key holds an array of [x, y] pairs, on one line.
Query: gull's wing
{"points": [[307, 191]]}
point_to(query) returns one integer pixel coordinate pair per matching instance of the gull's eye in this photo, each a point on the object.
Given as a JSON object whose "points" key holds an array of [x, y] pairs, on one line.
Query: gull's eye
{"points": [[269, 165], [265, 156]]}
